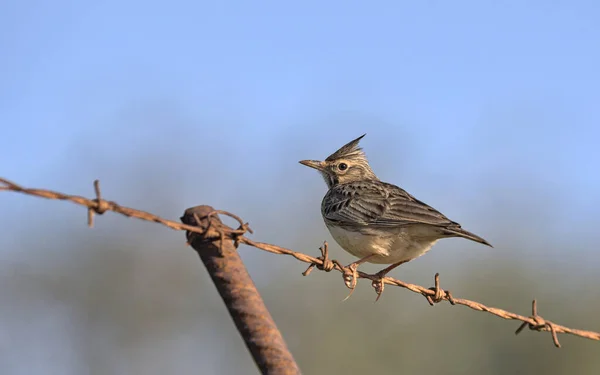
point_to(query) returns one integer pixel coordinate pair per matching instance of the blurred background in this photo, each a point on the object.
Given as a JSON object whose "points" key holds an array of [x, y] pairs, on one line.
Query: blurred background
{"points": [[486, 110]]}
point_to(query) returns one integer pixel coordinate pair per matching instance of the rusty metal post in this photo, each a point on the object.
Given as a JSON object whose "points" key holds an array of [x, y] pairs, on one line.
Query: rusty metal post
{"points": [[246, 307]]}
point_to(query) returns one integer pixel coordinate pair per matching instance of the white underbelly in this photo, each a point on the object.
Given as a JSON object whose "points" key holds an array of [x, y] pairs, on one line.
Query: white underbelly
{"points": [[387, 249]]}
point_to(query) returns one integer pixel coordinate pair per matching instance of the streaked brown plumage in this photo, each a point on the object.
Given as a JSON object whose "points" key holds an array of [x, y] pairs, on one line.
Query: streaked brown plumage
{"points": [[374, 220]]}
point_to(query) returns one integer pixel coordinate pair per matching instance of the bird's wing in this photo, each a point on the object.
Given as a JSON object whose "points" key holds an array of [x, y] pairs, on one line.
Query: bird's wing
{"points": [[377, 204]]}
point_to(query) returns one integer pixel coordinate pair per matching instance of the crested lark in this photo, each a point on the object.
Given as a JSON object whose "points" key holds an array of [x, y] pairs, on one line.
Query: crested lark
{"points": [[376, 221]]}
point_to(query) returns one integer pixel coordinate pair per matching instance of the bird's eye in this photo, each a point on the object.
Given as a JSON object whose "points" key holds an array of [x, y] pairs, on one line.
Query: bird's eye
{"points": [[342, 166]]}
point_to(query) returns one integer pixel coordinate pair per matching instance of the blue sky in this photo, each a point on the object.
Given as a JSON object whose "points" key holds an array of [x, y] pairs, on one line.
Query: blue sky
{"points": [[487, 110], [497, 85]]}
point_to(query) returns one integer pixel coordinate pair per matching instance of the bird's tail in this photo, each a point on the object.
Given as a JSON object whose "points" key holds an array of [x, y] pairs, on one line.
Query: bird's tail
{"points": [[459, 232]]}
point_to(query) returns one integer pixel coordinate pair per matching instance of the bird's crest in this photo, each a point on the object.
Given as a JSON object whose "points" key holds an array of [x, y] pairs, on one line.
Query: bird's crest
{"points": [[349, 150]]}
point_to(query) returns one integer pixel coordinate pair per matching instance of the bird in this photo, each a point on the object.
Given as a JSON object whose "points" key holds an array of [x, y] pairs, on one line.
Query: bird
{"points": [[376, 221]]}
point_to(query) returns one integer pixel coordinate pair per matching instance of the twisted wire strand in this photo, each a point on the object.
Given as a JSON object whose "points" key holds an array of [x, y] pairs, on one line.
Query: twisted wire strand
{"points": [[433, 295]]}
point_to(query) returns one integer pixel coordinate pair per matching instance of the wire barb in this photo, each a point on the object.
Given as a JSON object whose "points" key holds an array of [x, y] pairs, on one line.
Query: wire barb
{"points": [[101, 205], [439, 293], [540, 324], [325, 265], [434, 295]]}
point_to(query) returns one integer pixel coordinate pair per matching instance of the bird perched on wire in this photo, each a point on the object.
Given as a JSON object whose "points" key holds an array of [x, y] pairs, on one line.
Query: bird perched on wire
{"points": [[375, 221]]}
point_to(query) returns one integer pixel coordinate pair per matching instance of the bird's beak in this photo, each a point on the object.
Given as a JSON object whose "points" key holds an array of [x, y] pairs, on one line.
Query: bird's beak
{"points": [[318, 165]]}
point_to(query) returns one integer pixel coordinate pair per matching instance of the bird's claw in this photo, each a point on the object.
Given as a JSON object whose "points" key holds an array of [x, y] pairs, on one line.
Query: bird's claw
{"points": [[378, 284], [350, 276]]}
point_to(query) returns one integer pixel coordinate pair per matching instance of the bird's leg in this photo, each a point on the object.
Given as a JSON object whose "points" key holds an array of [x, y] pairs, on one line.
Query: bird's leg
{"points": [[350, 274], [379, 284]]}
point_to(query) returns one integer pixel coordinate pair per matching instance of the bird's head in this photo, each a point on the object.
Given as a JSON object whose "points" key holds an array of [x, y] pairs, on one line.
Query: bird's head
{"points": [[347, 164]]}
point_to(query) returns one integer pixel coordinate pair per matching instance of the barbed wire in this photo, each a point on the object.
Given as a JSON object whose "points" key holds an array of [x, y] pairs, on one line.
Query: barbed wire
{"points": [[433, 295]]}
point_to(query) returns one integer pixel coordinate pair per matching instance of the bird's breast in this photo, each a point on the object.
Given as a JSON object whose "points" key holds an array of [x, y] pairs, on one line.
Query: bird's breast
{"points": [[387, 248]]}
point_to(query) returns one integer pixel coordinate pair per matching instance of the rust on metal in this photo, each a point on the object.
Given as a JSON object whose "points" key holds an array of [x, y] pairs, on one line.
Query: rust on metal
{"points": [[245, 305]]}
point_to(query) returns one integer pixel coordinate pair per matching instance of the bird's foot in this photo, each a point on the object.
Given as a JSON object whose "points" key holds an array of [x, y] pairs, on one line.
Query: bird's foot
{"points": [[350, 276], [378, 284], [350, 273]]}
